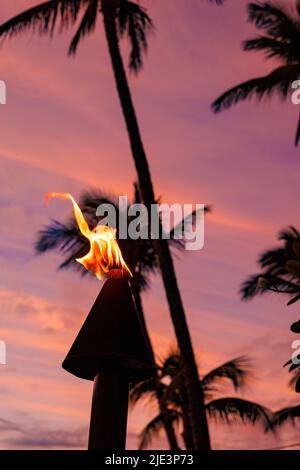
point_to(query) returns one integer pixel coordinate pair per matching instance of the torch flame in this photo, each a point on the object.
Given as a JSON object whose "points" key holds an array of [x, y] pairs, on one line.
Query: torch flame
{"points": [[105, 253]]}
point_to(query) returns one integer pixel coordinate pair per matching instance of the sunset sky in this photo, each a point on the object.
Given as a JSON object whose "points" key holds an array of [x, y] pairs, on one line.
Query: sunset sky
{"points": [[62, 130]]}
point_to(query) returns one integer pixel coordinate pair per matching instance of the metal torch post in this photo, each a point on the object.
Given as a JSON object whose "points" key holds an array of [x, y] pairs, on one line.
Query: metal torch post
{"points": [[109, 412]]}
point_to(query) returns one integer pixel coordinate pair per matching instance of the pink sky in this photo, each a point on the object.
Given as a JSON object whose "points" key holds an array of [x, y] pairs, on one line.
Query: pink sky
{"points": [[62, 130]]}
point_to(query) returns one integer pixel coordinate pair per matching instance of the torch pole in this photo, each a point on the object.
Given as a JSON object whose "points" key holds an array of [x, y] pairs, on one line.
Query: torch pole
{"points": [[109, 412]]}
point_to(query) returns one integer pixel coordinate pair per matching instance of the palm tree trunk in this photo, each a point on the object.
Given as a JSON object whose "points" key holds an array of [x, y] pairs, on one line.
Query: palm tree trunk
{"points": [[197, 414], [168, 425], [187, 431], [139, 307], [169, 428]]}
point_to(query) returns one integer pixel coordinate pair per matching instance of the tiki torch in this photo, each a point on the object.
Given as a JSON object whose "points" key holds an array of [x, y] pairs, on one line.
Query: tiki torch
{"points": [[110, 348]]}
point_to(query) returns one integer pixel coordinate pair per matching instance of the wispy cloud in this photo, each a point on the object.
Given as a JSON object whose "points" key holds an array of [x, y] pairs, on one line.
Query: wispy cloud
{"points": [[35, 436]]}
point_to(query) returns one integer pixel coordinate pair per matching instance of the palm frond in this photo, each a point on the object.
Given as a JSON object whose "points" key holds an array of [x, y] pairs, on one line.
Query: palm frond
{"points": [[274, 271], [43, 18], [87, 25], [58, 236], [286, 415], [253, 286], [231, 409], [271, 46], [249, 288], [295, 380], [134, 21], [152, 429], [281, 38], [91, 199], [278, 81], [171, 364], [237, 371], [145, 389], [274, 260], [52, 236], [274, 18], [66, 239], [131, 19]]}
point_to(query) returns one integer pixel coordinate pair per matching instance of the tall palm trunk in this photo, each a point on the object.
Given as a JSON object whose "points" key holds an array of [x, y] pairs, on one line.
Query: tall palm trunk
{"points": [[197, 414], [187, 431], [139, 308], [168, 426]]}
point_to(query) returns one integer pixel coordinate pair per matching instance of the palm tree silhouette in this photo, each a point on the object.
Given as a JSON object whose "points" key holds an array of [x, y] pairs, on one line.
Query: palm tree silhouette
{"points": [[140, 256], [280, 274], [127, 18], [280, 40], [169, 380], [279, 269]]}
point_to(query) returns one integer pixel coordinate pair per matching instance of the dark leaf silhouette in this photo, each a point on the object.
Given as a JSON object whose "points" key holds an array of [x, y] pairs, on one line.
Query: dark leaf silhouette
{"points": [[285, 415], [132, 21], [280, 274], [277, 269], [280, 39], [172, 392], [231, 409]]}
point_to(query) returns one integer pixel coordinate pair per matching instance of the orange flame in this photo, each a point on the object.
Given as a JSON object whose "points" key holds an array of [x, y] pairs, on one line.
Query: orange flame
{"points": [[105, 253]]}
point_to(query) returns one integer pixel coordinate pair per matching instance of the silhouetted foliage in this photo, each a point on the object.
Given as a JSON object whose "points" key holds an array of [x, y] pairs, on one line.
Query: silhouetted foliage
{"points": [[280, 274], [279, 271], [289, 414], [279, 39], [132, 22], [169, 381]]}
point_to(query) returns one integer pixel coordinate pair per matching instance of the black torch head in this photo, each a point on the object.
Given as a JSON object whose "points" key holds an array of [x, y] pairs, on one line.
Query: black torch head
{"points": [[111, 338]]}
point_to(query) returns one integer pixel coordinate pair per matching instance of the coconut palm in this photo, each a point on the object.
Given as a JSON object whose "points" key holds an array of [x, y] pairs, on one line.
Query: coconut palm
{"points": [[67, 239], [280, 274], [279, 269], [124, 18], [290, 414], [169, 381], [279, 39]]}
